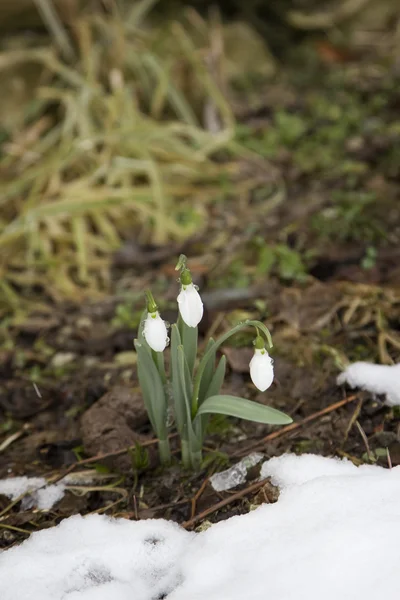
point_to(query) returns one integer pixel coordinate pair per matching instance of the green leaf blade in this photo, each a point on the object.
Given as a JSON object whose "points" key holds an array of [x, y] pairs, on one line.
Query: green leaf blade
{"points": [[208, 371], [217, 379], [189, 336], [178, 395], [214, 387], [153, 390], [243, 409], [195, 434]]}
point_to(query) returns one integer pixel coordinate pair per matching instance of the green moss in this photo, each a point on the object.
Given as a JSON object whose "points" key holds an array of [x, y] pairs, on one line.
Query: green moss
{"points": [[126, 316], [351, 215]]}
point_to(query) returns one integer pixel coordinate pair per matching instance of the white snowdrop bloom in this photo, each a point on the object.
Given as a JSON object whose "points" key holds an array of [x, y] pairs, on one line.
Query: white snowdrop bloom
{"points": [[261, 369], [190, 305], [155, 332]]}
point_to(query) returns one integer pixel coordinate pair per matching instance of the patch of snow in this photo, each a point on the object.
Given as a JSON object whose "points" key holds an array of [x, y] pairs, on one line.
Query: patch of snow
{"points": [[290, 469], [377, 379], [13, 487], [48, 496], [37, 493], [95, 558], [333, 534], [236, 475]]}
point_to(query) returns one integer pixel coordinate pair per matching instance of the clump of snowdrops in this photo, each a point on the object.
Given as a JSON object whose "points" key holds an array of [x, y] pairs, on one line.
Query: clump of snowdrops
{"points": [[191, 391]]}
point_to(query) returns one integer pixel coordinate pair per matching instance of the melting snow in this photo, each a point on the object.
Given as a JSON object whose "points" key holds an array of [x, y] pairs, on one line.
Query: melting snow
{"points": [[333, 534], [38, 494], [378, 379], [236, 475]]}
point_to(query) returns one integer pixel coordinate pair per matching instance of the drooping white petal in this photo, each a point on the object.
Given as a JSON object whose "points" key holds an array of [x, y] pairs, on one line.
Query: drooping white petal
{"points": [[190, 305], [261, 370], [155, 332]]}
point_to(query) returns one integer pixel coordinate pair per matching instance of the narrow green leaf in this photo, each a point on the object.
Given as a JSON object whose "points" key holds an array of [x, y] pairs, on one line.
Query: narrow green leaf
{"points": [[214, 387], [186, 384], [158, 359], [217, 379], [208, 371], [178, 397], [153, 390], [243, 409], [189, 337], [147, 393], [194, 435]]}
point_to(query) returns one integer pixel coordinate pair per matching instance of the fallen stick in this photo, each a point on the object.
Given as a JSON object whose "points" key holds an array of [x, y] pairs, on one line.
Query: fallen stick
{"points": [[293, 426], [248, 490]]}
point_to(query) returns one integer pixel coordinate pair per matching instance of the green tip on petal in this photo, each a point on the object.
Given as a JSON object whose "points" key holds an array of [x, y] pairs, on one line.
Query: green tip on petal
{"points": [[151, 304], [186, 278], [259, 343]]}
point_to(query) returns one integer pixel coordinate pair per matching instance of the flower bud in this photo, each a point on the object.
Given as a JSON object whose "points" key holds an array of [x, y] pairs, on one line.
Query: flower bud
{"points": [[190, 305], [155, 332], [261, 369]]}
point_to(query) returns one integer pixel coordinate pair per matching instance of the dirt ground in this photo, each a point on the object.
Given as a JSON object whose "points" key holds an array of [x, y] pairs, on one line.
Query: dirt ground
{"points": [[305, 237]]}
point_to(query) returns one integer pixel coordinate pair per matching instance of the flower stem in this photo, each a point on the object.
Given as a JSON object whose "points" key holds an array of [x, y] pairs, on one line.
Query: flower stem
{"points": [[196, 459], [187, 463], [214, 347], [158, 359], [164, 451]]}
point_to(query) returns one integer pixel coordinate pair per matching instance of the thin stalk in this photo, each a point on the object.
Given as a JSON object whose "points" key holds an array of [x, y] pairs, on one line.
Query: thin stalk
{"points": [[196, 459], [213, 348], [164, 451], [187, 463], [158, 359]]}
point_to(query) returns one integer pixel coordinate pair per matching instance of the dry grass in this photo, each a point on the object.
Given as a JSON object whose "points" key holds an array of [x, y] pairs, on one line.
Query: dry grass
{"points": [[119, 143]]}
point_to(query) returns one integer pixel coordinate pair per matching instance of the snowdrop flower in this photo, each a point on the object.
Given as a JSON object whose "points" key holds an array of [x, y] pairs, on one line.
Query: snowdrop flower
{"points": [[155, 329], [261, 366], [189, 301]]}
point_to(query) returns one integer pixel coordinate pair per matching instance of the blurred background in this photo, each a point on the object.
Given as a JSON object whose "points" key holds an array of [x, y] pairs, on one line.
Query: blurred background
{"points": [[267, 134]]}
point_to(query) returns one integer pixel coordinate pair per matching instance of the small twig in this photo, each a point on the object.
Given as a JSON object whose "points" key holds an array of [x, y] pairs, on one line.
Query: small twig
{"points": [[212, 509], [389, 459], [14, 437], [197, 496], [365, 440], [356, 461], [135, 507], [353, 419], [35, 387], [13, 503], [100, 457], [12, 528], [293, 426], [136, 512], [102, 509]]}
